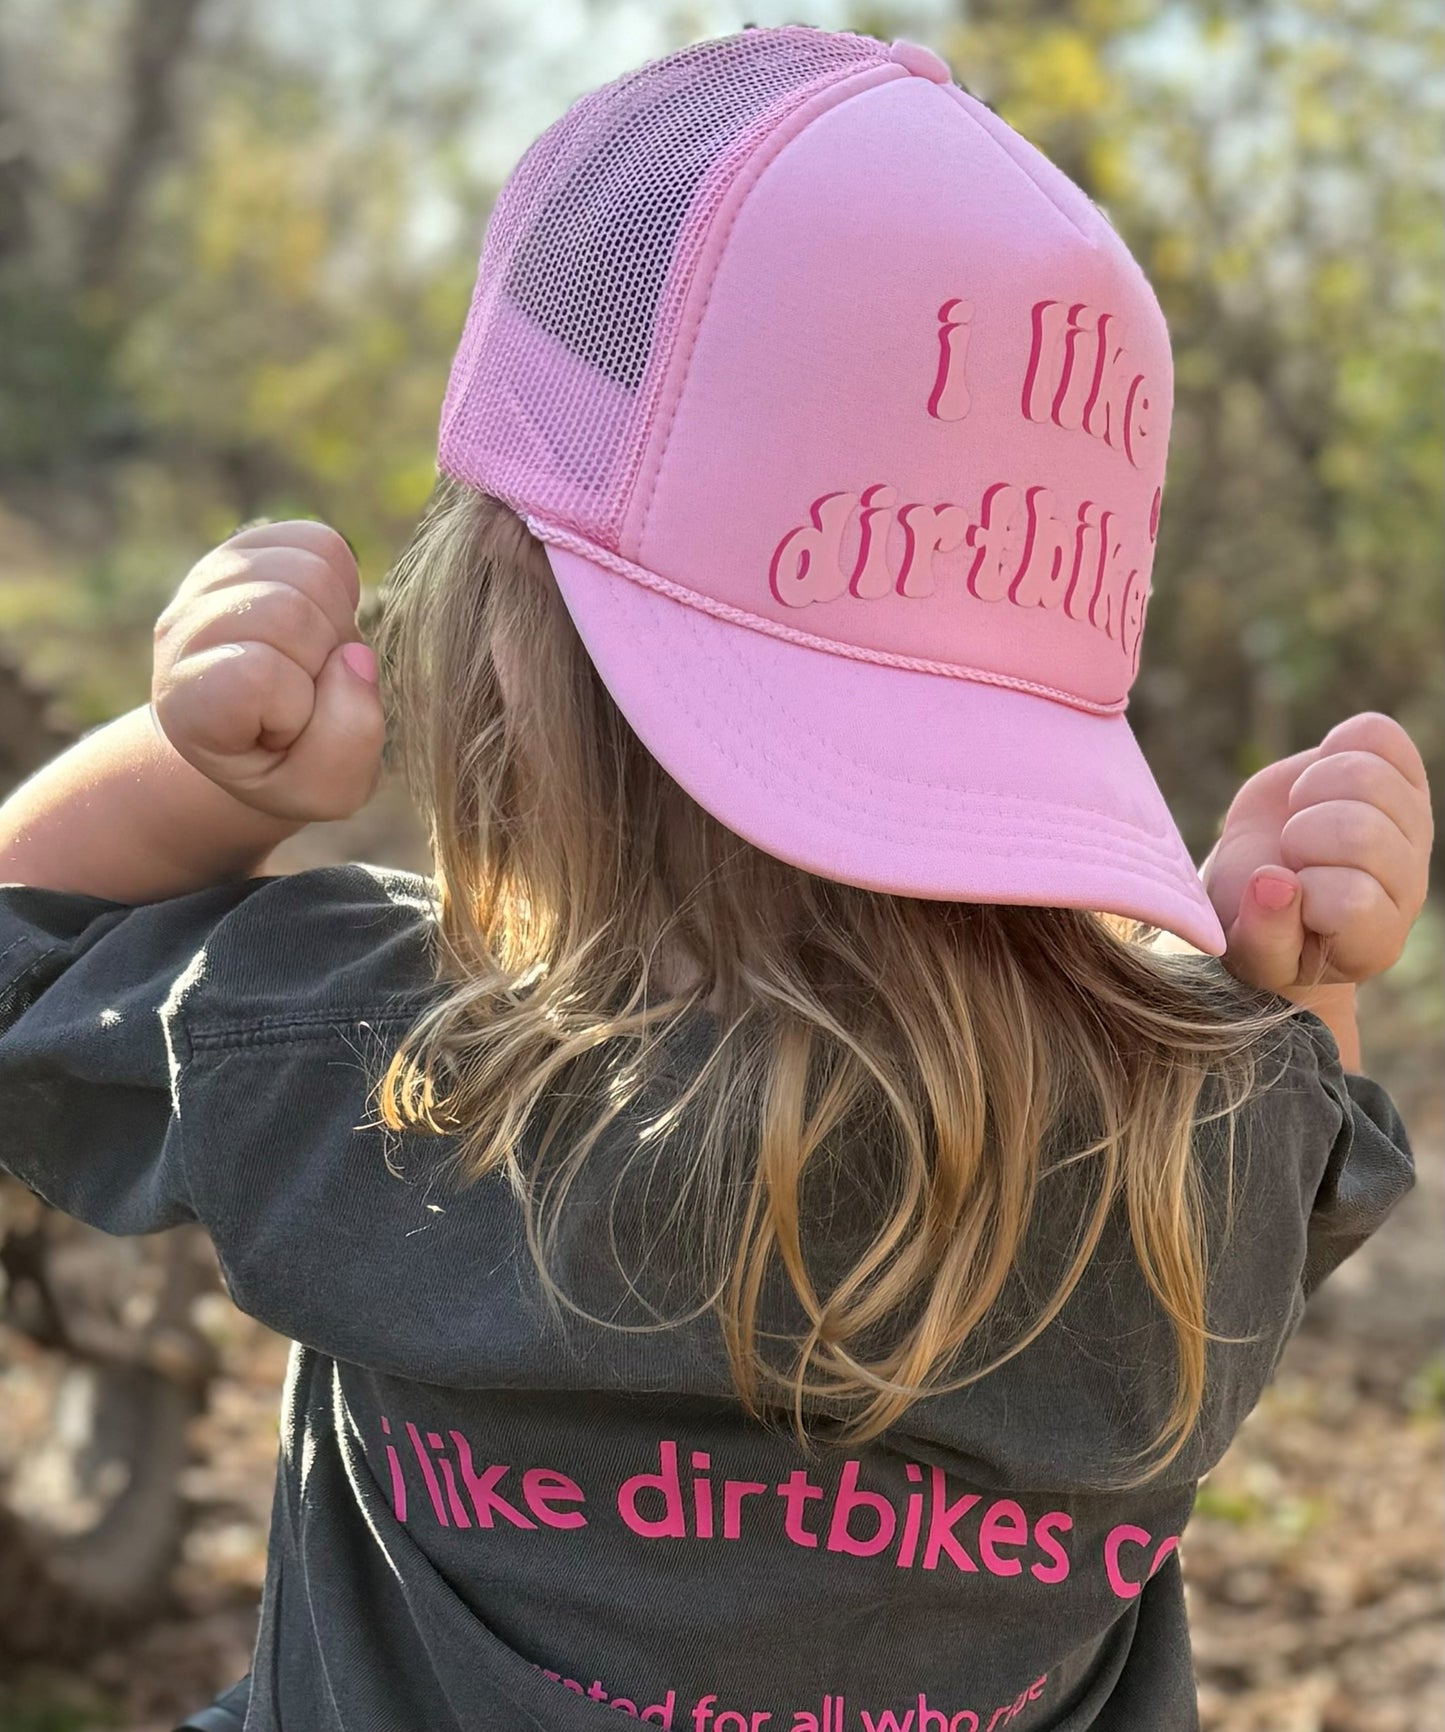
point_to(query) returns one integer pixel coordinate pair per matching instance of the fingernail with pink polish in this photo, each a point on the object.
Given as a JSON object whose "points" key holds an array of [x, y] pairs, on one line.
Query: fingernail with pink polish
{"points": [[1274, 893], [361, 659]]}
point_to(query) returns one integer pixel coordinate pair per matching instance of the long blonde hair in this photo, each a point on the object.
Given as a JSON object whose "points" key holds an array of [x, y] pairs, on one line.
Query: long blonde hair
{"points": [[923, 1053]]}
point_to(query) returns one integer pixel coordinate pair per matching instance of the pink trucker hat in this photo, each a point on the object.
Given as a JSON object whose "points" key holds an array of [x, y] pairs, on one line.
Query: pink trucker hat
{"points": [[842, 414]]}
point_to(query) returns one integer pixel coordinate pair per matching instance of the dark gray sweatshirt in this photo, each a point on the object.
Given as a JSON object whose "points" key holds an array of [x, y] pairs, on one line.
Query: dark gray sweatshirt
{"points": [[489, 1518]]}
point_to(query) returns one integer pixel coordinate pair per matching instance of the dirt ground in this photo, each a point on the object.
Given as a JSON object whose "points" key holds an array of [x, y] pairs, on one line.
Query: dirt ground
{"points": [[1313, 1562]]}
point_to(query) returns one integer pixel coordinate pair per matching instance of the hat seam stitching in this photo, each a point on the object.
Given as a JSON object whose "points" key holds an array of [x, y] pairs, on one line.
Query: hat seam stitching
{"points": [[559, 535], [961, 99]]}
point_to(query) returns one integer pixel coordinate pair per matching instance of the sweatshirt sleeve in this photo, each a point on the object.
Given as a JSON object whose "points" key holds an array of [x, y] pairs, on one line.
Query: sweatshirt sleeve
{"points": [[89, 1049], [1367, 1162]]}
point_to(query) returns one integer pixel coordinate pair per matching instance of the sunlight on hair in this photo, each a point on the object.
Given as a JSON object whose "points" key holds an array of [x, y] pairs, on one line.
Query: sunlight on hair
{"points": [[830, 1117]]}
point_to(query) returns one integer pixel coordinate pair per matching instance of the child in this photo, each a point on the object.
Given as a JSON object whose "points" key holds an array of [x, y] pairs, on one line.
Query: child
{"points": [[769, 1242]]}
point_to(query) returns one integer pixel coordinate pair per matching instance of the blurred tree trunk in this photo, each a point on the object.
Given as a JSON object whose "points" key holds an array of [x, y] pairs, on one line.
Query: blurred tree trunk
{"points": [[17, 176], [159, 36]]}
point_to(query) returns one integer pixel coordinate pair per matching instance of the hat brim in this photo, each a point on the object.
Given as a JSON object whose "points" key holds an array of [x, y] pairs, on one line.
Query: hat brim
{"points": [[912, 783]]}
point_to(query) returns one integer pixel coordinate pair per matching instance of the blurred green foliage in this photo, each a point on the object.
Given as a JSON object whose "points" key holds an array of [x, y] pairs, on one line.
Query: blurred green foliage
{"points": [[230, 286], [55, 1706], [1245, 1507], [1425, 1395]]}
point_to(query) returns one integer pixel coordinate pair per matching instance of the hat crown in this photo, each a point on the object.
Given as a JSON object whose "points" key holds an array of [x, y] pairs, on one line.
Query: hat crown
{"points": [[842, 415], [811, 337]]}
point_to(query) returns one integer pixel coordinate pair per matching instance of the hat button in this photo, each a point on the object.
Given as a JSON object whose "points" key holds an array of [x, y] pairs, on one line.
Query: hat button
{"points": [[920, 61]]}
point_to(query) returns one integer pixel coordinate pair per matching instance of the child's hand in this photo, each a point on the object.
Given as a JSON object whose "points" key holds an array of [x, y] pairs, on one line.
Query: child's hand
{"points": [[1322, 866], [261, 680]]}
